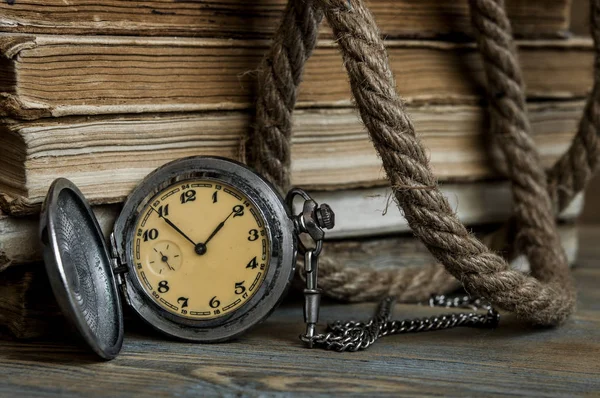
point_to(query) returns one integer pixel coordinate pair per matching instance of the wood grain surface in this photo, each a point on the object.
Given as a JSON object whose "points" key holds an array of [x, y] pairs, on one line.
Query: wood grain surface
{"points": [[270, 361]]}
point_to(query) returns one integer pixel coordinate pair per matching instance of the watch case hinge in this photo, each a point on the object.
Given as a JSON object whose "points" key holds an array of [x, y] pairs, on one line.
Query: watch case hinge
{"points": [[119, 269], [115, 259]]}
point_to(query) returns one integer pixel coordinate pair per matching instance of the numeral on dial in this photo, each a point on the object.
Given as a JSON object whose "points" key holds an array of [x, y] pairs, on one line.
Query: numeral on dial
{"points": [[163, 286], [238, 211], [150, 234], [215, 198], [163, 211], [239, 287], [214, 303], [188, 196], [253, 235], [253, 263], [183, 301]]}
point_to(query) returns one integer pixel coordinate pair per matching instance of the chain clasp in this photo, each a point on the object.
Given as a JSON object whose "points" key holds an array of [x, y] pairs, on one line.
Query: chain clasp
{"points": [[312, 221]]}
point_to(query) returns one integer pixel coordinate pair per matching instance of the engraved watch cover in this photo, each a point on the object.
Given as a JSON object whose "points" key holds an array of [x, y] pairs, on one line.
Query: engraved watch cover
{"points": [[79, 268]]}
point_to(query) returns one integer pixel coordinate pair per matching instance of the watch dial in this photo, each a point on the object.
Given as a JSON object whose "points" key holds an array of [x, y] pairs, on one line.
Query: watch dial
{"points": [[200, 249]]}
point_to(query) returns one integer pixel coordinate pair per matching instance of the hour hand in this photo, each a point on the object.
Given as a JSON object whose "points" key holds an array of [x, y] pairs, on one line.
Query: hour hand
{"points": [[215, 231], [237, 210]]}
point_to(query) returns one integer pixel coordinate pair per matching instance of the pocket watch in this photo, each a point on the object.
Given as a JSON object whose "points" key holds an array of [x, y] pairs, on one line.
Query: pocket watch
{"points": [[203, 249]]}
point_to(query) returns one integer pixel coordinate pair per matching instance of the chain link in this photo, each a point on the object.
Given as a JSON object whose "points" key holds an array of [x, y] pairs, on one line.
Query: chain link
{"points": [[355, 336]]}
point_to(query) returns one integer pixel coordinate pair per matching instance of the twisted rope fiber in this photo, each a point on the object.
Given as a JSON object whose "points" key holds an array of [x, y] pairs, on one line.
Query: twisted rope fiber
{"points": [[406, 284], [280, 74], [568, 176], [357, 284], [537, 234], [426, 209], [574, 169]]}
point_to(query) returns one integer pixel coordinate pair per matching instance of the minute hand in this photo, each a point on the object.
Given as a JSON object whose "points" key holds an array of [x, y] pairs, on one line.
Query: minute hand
{"points": [[176, 228]]}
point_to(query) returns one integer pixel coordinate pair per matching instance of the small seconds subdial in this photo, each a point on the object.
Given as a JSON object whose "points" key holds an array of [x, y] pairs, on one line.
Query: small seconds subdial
{"points": [[201, 249], [164, 258]]}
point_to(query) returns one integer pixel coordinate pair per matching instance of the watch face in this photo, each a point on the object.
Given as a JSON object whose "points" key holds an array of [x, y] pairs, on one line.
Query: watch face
{"points": [[201, 249], [209, 248]]}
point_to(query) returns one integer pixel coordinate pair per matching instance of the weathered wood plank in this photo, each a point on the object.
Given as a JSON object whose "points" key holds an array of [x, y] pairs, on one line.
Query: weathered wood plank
{"points": [[463, 361], [512, 359]]}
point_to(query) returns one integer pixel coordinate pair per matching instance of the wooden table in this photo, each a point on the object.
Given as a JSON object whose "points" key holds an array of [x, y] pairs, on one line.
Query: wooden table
{"points": [[512, 359]]}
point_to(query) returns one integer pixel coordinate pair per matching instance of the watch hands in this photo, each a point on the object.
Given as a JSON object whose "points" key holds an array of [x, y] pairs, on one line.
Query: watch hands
{"points": [[174, 226], [221, 225], [236, 210], [200, 248], [165, 259]]}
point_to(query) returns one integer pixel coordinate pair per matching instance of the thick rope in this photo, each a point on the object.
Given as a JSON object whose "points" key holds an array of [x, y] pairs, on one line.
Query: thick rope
{"points": [[279, 76], [341, 283], [358, 284], [406, 284], [537, 237], [411, 285], [427, 211]]}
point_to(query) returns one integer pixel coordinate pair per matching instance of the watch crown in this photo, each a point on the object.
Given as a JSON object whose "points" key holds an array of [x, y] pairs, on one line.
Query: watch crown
{"points": [[325, 216]]}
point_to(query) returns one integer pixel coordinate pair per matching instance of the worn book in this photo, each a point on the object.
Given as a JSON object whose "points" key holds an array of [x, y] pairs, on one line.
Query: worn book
{"points": [[259, 19], [28, 308], [107, 156], [45, 75], [360, 213]]}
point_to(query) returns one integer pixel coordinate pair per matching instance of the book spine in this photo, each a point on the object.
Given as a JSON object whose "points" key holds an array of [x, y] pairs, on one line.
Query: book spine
{"points": [[11, 104]]}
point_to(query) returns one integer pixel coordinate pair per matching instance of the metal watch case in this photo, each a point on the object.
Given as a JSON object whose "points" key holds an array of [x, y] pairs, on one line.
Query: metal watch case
{"points": [[85, 273]]}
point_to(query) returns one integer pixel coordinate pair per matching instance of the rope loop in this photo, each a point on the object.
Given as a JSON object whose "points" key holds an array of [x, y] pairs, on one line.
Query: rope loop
{"points": [[546, 297]]}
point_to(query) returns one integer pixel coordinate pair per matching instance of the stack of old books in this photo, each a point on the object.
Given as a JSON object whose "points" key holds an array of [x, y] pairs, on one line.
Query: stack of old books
{"points": [[103, 94]]}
